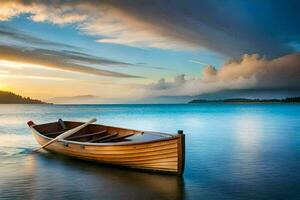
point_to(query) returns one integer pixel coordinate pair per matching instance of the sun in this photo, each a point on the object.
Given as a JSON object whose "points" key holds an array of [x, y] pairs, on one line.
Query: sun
{"points": [[4, 87]]}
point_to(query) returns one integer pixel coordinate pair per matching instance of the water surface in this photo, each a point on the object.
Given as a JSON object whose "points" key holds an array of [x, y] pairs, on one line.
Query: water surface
{"points": [[233, 151]]}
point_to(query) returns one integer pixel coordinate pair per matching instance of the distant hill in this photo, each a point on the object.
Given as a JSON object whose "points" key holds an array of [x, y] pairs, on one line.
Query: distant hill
{"points": [[82, 99], [11, 98], [244, 100]]}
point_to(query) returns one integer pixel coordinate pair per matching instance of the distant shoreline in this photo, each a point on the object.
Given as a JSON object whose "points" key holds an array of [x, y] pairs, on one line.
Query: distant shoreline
{"points": [[11, 98], [247, 101]]}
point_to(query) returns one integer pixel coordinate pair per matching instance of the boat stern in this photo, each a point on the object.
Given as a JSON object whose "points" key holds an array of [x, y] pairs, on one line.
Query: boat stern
{"points": [[181, 152]]}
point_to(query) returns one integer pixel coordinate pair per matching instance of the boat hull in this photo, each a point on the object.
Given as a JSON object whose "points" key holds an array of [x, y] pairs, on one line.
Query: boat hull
{"points": [[166, 155]]}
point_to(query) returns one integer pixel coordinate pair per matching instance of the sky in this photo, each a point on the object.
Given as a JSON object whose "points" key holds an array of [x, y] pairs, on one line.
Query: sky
{"points": [[118, 51]]}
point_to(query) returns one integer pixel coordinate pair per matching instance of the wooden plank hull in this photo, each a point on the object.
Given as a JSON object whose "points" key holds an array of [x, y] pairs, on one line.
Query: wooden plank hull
{"points": [[166, 155]]}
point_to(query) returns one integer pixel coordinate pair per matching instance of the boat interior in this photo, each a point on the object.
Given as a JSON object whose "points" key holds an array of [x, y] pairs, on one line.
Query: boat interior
{"points": [[94, 133]]}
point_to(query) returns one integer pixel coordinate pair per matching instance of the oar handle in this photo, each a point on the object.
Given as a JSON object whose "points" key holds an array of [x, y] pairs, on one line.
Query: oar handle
{"points": [[68, 133], [48, 143]]}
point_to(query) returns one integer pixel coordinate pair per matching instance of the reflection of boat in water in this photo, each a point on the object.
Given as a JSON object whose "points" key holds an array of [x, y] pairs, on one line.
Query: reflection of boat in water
{"points": [[93, 182], [118, 146]]}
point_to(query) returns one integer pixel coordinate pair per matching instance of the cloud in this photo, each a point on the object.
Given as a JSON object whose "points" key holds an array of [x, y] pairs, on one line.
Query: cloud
{"points": [[40, 11], [18, 35], [250, 72], [71, 52], [231, 28], [62, 60], [82, 57], [7, 75]]}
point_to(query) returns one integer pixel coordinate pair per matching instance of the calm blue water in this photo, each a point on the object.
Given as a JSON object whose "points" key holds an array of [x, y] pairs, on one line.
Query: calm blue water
{"points": [[234, 151]]}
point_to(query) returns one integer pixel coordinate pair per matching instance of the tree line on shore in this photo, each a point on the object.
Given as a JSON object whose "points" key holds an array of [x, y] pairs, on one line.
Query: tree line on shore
{"points": [[245, 100], [11, 98]]}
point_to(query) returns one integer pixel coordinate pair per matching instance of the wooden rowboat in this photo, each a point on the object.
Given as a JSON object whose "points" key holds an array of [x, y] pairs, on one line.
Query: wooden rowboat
{"points": [[144, 150]]}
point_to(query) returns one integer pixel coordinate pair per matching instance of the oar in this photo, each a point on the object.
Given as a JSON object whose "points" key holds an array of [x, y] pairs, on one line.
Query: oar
{"points": [[67, 133]]}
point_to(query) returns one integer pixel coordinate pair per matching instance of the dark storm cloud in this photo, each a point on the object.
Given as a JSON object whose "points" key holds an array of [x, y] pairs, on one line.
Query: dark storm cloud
{"points": [[230, 27]]}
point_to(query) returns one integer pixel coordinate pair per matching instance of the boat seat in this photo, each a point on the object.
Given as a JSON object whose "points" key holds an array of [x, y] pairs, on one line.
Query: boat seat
{"points": [[87, 135], [117, 138], [104, 137], [54, 133]]}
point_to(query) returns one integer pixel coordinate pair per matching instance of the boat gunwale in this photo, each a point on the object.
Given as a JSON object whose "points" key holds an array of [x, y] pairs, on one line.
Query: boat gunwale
{"points": [[166, 138]]}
